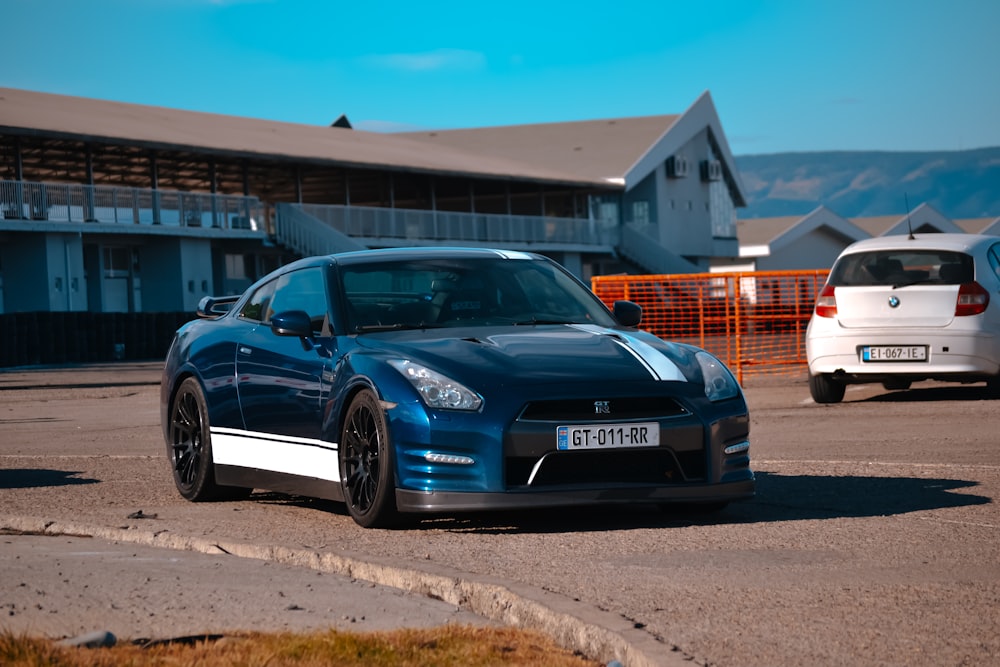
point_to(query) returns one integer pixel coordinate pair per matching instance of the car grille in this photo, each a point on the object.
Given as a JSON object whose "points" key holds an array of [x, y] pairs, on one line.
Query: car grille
{"points": [[659, 466], [532, 461], [628, 408]]}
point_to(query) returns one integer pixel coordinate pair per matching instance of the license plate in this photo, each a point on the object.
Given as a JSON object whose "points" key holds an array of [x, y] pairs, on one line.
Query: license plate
{"points": [[894, 353], [608, 436]]}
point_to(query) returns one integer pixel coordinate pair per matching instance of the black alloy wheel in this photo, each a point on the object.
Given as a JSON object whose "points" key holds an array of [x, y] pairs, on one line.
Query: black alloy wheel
{"points": [[189, 448], [366, 470]]}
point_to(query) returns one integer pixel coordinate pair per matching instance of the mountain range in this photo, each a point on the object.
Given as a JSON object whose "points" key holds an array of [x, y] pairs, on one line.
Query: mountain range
{"points": [[855, 184]]}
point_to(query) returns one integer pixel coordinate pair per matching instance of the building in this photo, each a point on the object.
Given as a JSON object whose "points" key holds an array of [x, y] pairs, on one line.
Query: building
{"points": [[679, 187], [815, 240], [121, 208]]}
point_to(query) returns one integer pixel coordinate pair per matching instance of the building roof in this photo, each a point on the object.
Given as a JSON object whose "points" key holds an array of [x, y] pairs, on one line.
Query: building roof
{"points": [[877, 225], [761, 231], [598, 150], [975, 225], [615, 150], [59, 116]]}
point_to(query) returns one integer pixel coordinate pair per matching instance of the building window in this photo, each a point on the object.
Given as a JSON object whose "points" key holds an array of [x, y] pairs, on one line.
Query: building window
{"points": [[606, 210], [116, 262], [640, 212], [240, 267], [722, 212]]}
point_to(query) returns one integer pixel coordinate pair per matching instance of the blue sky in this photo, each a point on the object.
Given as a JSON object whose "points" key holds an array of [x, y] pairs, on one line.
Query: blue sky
{"points": [[785, 75]]}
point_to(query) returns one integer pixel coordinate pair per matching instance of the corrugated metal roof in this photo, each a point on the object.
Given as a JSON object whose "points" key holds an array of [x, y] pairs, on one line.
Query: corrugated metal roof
{"points": [[761, 231], [45, 114], [974, 225], [877, 225], [596, 150]]}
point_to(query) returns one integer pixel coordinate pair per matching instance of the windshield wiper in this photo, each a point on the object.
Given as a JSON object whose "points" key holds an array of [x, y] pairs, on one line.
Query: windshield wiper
{"points": [[915, 282], [396, 326], [535, 320]]}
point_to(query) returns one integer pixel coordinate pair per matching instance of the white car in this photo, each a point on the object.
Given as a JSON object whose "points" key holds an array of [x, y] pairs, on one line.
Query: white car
{"points": [[900, 309]]}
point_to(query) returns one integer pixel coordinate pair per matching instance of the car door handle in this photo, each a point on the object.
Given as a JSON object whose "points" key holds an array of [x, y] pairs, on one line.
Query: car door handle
{"points": [[243, 349]]}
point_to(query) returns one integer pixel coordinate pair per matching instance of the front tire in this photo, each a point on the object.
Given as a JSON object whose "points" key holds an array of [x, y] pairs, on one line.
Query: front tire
{"points": [[366, 465], [824, 389], [189, 448]]}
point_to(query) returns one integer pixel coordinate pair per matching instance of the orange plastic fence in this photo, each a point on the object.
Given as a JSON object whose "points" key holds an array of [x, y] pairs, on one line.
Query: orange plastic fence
{"points": [[754, 322]]}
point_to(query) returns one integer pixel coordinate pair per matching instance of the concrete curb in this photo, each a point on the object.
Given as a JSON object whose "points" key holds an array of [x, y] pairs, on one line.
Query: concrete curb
{"points": [[599, 635]]}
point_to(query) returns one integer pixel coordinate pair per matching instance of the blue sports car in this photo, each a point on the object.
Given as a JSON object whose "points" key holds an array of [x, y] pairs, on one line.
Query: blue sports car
{"points": [[444, 380]]}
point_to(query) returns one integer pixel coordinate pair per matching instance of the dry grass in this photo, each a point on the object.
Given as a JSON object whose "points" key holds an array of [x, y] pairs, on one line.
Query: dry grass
{"points": [[460, 646]]}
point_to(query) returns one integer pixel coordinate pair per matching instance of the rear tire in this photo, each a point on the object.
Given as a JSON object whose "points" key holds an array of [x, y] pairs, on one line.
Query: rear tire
{"points": [[824, 389], [189, 448], [993, 387]]}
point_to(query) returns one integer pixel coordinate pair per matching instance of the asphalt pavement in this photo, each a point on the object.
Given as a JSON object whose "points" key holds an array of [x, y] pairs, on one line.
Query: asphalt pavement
{"points": [[66, 586], [75, 580]]}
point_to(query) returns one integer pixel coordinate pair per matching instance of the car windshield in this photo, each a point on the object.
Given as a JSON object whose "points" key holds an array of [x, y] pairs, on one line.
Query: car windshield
{"points": [[903, 267], [427, 293]]}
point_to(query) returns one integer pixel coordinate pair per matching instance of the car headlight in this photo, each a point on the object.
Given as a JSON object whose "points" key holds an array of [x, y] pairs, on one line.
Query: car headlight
{"points": [[436, 390], [719, 382]]}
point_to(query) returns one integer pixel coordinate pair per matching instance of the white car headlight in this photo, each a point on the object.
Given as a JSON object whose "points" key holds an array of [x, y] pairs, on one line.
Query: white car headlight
{"points": [[719, 382], [436, 390]]}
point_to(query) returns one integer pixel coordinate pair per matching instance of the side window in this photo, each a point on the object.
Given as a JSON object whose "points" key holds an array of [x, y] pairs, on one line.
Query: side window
{"points": [[994, 255], [256, 308], [301, 290]]}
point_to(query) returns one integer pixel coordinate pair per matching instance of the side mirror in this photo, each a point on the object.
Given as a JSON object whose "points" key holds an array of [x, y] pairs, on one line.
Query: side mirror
{"points": [[292, 323], [628, 313]]}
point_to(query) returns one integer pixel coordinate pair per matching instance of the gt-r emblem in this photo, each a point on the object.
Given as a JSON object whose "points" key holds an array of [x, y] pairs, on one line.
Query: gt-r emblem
{"points": [[893, 301], [602, 407]]}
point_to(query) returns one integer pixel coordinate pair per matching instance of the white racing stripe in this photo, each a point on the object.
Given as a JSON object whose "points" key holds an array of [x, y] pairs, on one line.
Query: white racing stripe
{"points": [[278, 453], [655, 361]]}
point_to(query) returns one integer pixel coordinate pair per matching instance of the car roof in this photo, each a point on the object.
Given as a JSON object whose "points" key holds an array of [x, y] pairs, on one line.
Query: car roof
{"points": [[358, 257], [956, 242], [396, 254]]}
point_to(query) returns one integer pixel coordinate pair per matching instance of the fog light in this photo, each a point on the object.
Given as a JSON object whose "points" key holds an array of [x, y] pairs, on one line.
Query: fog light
{"points": [[434, 457], [737, 448]]}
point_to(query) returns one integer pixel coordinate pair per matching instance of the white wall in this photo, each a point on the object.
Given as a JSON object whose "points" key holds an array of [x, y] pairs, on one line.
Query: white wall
{"points": [[682, 214], [816, 250]]}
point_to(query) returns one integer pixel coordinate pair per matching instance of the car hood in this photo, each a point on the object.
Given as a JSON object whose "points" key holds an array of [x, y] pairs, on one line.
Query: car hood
{"points": [[541, 353]]}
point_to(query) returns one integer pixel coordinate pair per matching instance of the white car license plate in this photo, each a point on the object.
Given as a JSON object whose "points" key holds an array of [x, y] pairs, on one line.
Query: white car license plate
{"points": [[608, 436], [894, 353]]}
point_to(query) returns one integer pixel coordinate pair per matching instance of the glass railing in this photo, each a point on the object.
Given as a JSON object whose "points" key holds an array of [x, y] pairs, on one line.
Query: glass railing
{"points": [[375, 225], [366, 225], [65, 202]]}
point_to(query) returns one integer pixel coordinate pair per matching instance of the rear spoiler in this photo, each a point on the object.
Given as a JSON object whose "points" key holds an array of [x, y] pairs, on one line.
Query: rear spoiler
{"points": [[211, 307]]}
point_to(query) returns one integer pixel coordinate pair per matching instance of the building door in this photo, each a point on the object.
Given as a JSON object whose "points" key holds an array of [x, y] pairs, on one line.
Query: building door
{"points": [[119, 280]]}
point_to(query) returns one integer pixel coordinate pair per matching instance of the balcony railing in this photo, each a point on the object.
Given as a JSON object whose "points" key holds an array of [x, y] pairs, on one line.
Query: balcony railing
{"points": [[64, 202], [307, 228], [392, 226]]}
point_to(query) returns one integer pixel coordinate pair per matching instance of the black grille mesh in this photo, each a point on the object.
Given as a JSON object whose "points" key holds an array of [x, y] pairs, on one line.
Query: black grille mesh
{"points": [[659, 466], [569, 410]]}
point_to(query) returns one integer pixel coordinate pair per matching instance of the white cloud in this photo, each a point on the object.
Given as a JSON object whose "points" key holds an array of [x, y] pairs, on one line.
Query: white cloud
{"points": [[430, 61]]}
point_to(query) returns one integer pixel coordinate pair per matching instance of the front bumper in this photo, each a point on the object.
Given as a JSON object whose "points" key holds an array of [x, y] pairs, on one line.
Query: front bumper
{"points": [[449, 501]]}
